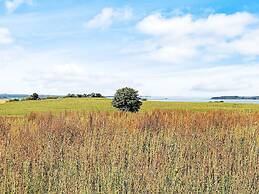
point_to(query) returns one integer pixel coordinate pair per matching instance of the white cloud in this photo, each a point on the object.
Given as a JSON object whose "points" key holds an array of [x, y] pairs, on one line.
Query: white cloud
{"points": [[215, 24], [108, 16], [75, 78], [247, 44], [68, 69], [206, 82], [5, 36], [12, 5], [242, 79], [186, 38], [54, 72]]}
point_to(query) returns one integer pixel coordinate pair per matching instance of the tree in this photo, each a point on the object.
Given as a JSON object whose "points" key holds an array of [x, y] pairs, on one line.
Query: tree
{"points": [[98, 95], [95, 95], [79, 95], [127, 99], [34, 96]]}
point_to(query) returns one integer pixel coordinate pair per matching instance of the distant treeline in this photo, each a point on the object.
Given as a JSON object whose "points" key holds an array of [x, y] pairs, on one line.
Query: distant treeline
{"points": [[92, 95], [35, 96]]}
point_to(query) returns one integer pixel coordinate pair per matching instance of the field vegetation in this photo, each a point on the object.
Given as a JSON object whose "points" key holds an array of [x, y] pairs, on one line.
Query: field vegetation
{"points": [[86, 146], [2, 101], [22, 108], [162, 151]]}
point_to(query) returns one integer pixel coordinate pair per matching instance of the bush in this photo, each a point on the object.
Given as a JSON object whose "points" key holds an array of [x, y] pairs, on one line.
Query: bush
{"points": [[52, 97], [95, 95], [127, 99], [70, 96], [79, 95], [14, 100]]}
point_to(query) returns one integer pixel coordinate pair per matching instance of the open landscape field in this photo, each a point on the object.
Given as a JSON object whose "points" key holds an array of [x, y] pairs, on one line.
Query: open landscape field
{"points": [[88, 104], [85, 91], [86, 146]]}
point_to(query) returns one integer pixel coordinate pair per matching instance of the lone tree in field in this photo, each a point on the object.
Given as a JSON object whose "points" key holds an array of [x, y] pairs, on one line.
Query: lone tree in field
{"points": [[127, 99], [34, 96]]}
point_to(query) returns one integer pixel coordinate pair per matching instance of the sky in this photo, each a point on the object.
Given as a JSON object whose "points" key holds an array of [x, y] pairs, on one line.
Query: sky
{"points": [[161, 48]]}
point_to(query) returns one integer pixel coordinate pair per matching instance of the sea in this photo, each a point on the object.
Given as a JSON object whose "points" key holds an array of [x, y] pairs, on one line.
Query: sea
{"points": [[154, 98], [194, 99]]}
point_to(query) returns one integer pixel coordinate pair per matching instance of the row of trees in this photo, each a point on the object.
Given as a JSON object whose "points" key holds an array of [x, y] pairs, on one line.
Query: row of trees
{"points": [[36, 96], [92, 95]]}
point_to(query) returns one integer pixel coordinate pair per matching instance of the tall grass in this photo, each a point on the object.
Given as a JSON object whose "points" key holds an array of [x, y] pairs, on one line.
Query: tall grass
{"points": [[114, 152]]}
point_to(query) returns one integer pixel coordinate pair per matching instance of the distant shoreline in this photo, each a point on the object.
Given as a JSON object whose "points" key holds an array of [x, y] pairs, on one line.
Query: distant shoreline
{"points": [[236, 98]]}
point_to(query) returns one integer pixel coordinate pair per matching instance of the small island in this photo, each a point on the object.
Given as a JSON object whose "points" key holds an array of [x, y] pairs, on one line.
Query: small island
{"points": [[236, 98]]}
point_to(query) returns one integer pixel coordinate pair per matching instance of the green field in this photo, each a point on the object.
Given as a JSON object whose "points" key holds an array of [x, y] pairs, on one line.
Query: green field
{"points": [[86, 104], [169, 147]]}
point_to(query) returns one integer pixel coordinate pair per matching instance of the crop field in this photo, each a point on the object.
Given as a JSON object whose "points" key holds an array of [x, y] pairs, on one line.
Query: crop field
{"points": [[86, 104], [85, 146]]}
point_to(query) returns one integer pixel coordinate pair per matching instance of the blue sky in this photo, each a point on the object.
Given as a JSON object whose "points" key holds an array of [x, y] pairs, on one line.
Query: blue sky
{"points": [[181, 48]]}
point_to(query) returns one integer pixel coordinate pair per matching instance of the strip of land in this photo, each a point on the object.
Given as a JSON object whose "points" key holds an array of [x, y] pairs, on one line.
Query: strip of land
{"points": [[102, 104], [236, 98]]}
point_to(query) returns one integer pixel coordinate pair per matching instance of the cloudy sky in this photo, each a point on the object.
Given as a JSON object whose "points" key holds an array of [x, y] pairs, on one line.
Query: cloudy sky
{"points": [[163, 48]]}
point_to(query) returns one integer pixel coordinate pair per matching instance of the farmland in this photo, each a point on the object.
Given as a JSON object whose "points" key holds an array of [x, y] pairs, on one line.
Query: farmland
{"points": [[86, 146], [88, 104]]}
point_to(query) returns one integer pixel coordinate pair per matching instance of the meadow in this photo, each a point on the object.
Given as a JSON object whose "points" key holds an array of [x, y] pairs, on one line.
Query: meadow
{"points": [[88, 104], [85, 146]]}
